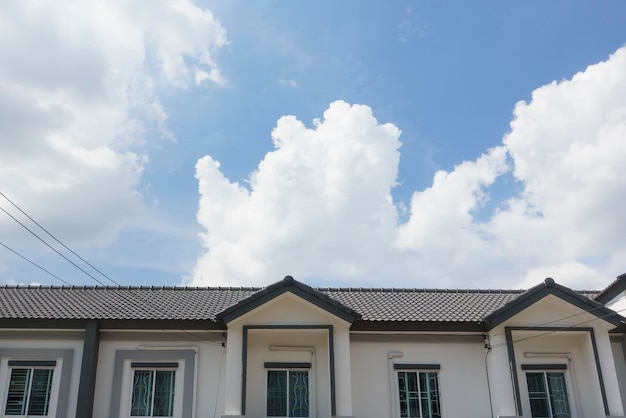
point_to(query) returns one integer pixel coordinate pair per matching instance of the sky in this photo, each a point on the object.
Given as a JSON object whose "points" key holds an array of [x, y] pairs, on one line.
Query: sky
{"points": [[425, 144]]}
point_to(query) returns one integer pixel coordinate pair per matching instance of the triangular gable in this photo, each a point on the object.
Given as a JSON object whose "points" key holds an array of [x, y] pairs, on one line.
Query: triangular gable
{"points": [[288, 284], [549, 287]]}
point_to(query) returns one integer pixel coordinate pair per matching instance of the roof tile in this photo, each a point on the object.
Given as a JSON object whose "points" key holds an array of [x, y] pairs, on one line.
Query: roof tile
{"points": [[195, 303]]}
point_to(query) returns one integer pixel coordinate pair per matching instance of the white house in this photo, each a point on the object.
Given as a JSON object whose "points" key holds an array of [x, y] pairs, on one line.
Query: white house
{"points": [[289, 350]]}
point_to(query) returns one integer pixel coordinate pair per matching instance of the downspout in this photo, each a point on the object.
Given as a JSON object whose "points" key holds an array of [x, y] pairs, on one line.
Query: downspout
{"points": [[488, 348], [390, 356]]}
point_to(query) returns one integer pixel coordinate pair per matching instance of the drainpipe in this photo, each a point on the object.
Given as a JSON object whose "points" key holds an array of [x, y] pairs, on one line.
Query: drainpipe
{"points": [[392, 382]]}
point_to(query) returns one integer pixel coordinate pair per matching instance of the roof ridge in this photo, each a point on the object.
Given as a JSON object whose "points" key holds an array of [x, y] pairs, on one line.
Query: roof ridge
{"points": [[128, 287], [417, 290]]}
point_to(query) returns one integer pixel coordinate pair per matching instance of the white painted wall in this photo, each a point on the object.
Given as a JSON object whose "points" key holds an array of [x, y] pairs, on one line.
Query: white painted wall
{"points": [[617, 348], [289, 310], [554, 312], [462, 378], [44, 339], [259, 352], [209, 397]]}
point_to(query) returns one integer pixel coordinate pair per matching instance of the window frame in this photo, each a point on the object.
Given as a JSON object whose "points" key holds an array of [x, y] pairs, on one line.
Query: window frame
{"points": [[32, 358], [418, 369], [287, 368], [184, 380], [154, 368], [27, 391], [544, 370]]}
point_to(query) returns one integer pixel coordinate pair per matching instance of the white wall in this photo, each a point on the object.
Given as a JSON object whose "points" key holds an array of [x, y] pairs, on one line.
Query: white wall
{"points": [[617, 346], [462, 378], [582, 375], [209, 397], [44, 340], [291, 311], [259, 352]]}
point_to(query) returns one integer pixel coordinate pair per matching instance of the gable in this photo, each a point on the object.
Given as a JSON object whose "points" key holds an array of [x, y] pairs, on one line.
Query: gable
{"points": [[288, 285], [551, 300]]}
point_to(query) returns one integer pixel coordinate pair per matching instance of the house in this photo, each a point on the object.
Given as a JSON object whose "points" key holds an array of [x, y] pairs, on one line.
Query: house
{"points": [[290, 350]]}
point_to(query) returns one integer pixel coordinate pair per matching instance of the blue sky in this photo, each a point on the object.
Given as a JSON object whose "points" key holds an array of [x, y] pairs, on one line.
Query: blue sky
{"points": [[129, 99]]}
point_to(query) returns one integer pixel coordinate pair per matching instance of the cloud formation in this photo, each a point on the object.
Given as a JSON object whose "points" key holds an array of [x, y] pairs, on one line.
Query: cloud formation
{"points": [[319, 206], [79, 101]]}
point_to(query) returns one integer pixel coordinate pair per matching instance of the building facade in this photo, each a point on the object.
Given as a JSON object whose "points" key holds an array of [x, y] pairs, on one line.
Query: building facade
{"points": [[289, 350]]}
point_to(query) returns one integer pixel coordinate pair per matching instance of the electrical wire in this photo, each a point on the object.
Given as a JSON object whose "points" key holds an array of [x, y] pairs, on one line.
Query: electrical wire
{"points": [[33, 263], [160, 309], [131, 295], [59, 241], [543, 324], [554, 330], [51, 247]]}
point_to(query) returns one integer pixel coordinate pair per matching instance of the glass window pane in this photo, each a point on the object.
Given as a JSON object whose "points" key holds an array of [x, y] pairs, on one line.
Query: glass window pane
{"points": [[548, 395], [142, 393], [16, 398], [164, 393], [558, 394], [409, 395], [40, 392], [276, 393], [539, 405], [299, 394], [429, 395]]}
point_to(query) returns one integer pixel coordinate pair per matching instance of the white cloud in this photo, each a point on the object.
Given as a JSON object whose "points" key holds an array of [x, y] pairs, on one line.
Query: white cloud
{"points": [[288, 83], [78, 101], [320, 204], [317, 205]]}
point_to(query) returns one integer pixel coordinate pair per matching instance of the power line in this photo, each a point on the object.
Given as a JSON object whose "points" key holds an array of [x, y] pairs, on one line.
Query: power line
{"points": [[51, 247], [132, 296], [34, 264], [564, 328], [59, 241]]}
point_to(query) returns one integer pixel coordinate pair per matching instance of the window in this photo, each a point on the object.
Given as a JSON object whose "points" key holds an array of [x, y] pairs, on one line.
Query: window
{"points": [[30, 386], [153, 382], [547, 394], [418, 390], [288, 389], [153, 389]]}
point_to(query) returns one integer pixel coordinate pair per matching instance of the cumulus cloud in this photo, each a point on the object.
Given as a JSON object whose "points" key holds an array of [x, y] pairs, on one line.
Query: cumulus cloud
{"points": [[79, 101], [320, 206]]}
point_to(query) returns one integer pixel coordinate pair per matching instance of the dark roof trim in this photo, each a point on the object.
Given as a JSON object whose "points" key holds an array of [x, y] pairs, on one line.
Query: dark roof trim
{"points": [[142, 324], [618, 286], [435, 326], [550, 287], [418, 366], [543, 367], [288, 284], [274, 365]]}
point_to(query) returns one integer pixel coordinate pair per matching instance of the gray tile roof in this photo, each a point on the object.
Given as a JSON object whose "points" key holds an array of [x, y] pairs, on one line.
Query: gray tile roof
{"points": [[46, 302], [422, 305], [156, 303]]}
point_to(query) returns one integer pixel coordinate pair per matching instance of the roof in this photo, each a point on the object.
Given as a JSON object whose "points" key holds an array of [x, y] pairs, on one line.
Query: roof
{"points": [[618, 286], [210, 305]]}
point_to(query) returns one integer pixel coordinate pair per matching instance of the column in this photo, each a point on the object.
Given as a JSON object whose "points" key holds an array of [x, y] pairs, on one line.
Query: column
{"points": [[233, 375], [343, 372]]}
